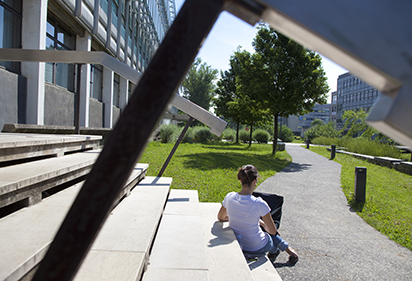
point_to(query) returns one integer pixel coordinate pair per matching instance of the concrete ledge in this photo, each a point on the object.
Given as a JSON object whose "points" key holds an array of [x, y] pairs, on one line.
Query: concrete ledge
{"points": [[29, 180], [178, 249], [23, 146], [51, 129], [27, 233], [398, 164], [225, 258], [121, 249]]}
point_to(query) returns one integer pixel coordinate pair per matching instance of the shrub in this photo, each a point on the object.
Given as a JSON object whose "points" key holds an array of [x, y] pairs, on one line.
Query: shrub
{"points": [[244, 136], [202, 135], [168, 133], [362, 146], [285, 134], [189, 137], [261, 136], [229, 134]]}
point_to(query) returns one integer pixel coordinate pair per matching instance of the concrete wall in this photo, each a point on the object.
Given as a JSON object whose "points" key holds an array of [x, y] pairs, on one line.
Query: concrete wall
{"points": [[116, 115], [58, 106], [95, 113], [12, 98]]}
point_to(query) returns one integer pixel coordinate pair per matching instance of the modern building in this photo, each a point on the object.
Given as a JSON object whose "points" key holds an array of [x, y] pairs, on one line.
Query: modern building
{"points": [[320, 111], [352, 94], [43, 93]]}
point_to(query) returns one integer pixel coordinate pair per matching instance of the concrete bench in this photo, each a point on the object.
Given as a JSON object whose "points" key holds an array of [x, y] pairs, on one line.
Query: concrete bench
{"points": [[27, 233], [178, 251], [27, 181], [226, 260], [121, 249], [192, 245], [23, 146]]}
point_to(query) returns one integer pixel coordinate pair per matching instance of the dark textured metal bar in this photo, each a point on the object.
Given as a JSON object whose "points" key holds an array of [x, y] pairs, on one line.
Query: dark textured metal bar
{"points": [[179, 140], [128, 140]]}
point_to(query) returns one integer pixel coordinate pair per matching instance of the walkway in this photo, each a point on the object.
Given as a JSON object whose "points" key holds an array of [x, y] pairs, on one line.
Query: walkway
{"points": [[332, 241]]}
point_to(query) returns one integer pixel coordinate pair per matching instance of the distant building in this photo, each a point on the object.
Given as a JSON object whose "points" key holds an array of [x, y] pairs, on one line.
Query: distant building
{"points": [[334, 106], [320, 111], [352, 94]]}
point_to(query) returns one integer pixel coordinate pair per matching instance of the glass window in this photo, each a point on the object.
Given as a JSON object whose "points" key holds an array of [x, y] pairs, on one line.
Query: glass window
{"points": [[104, 4], [96, 81], [116, 90], [10, 29], [115, 8], [57, 38]]}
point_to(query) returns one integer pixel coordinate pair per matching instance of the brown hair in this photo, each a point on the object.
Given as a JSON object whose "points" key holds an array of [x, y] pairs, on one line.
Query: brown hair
{"points": [[247, 174]]}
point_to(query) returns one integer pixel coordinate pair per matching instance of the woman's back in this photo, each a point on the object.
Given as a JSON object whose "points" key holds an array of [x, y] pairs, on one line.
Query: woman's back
{"points": [[244, 213]]}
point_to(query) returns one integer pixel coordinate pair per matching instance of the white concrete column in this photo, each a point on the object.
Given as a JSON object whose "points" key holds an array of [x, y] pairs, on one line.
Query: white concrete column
{"points": [[84, 44], [34, 37], [108, 76], [124, 89]]}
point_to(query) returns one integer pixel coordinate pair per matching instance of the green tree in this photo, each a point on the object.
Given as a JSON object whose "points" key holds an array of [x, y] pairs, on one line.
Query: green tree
{"points": [[226, 93], [287, 76], [355, 123], [317, 122], [320, 129], [252, 109], [198, 84]]}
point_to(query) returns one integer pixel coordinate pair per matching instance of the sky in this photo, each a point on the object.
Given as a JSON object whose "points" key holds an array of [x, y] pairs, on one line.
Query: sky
{"points": [[229, 32]]}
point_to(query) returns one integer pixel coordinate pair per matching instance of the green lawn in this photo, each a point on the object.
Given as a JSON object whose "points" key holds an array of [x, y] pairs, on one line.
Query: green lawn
{"points": [[388, 206], [212, 168]]}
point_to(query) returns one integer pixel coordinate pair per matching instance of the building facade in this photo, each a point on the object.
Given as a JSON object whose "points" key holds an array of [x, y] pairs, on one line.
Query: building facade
{"points": [[43, 93], [320, 111], [352, 94]]}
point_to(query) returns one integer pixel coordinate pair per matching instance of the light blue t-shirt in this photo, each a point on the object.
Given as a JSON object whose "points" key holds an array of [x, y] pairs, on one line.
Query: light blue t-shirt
{"points": [[244, 213]]}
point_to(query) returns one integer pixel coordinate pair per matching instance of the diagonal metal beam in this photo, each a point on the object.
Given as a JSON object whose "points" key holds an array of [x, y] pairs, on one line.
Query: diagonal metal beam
{"points": [[128, 139]]}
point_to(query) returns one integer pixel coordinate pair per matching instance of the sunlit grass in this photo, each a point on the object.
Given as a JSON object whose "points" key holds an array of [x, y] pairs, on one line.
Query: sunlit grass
{"points": [[388, 206], [212, 168]]}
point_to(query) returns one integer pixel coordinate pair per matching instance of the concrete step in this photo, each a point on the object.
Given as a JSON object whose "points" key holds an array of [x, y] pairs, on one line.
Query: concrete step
{"points": [[178, 251], [225, 258], [121, 249], [27, 181], [14, 146], [27, 233]]}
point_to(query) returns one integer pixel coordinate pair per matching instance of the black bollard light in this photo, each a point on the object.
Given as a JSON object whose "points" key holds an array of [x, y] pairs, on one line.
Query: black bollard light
{"points": [[360, 184], [332, 152], [307, 143]]}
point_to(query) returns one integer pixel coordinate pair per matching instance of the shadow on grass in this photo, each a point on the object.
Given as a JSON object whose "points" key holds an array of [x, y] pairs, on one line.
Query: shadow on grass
{"points": [[229, 146], [355, 206], [215, 160]]}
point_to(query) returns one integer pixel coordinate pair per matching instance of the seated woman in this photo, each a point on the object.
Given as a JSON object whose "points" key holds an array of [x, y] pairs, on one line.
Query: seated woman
{"points": [[246, 213]]}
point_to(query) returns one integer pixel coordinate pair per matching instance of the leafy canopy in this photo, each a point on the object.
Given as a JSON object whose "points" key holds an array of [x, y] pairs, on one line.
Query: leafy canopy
{"points": [[198, 84]]}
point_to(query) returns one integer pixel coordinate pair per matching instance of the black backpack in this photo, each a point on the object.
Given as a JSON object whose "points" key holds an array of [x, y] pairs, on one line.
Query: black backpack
{"points": [[275, 203]]}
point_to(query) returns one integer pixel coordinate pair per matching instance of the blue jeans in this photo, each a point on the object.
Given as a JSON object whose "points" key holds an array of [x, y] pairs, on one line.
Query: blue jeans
{"points": [[275, 243]]}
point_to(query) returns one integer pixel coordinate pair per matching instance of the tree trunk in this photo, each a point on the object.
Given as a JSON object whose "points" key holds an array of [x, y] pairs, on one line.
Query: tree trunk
{"points": [[250, 134], [275, 134], [237, 131]]}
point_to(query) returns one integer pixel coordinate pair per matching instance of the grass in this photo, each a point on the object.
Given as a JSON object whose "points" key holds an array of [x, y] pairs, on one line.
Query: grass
{"points": [[363, 146], [388, 204], [212, 168]]}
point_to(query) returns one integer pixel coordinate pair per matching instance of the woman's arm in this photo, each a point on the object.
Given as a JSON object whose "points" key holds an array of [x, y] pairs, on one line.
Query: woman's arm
{"points": [[222, 215], [269, 224]]}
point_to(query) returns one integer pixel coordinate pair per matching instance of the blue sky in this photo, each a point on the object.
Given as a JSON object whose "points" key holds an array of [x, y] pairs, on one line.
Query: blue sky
{"points": [[229, 32]]}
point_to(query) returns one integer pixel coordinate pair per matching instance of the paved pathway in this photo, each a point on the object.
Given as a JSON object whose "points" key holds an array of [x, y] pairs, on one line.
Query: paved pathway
{"points": [[333, 242]]}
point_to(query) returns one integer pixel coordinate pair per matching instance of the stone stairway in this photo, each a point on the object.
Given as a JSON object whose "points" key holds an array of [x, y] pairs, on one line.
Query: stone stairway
{"points": [[153, 233]]}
